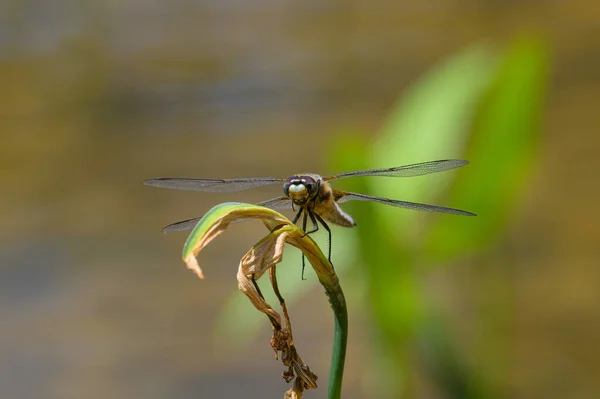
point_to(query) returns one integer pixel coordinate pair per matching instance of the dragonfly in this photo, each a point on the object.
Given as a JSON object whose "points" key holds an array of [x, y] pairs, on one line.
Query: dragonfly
{"points": [[312, 196]]}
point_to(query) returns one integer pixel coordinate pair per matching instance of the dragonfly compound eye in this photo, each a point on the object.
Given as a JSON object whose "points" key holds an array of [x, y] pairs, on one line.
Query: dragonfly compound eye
{"points": [[310, 187]]}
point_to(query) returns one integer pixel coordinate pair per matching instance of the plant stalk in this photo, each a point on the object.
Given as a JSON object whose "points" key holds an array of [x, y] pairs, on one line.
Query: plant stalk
{"points": [[340, 336]]}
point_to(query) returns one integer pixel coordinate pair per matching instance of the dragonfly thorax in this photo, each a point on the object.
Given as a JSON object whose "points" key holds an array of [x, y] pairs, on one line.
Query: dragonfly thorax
{"points": [[300, 189]]}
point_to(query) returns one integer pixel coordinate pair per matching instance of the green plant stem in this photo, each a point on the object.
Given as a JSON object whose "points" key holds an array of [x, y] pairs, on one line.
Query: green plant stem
{"points": [[340, 337]]}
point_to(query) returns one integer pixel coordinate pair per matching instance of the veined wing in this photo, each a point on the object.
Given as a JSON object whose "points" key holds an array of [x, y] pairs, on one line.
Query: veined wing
{"points": [[212, 185], [182, 226], [417, 169], [274, 203], [342, 196], [278, 203]]}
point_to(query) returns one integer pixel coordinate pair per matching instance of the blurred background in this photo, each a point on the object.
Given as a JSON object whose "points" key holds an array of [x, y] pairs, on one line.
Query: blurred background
{"points": [[96, 97]]}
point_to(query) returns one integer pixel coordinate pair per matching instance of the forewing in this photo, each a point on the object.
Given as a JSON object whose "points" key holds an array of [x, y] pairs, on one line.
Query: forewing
{"points": [[417, 169], [342, 196], [274, 203], [212, 185]]}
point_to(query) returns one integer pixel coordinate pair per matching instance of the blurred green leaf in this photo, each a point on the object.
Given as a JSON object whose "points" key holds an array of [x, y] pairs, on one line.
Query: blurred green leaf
{"points": [[502, 148], [476, 106], [431, 121]]}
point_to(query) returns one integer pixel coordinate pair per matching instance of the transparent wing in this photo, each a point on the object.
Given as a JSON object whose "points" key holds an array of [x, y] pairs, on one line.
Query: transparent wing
{"points": [[277, 203], [183, 225], [342, 196], [274, 203], [417, 169], [212, 185]]}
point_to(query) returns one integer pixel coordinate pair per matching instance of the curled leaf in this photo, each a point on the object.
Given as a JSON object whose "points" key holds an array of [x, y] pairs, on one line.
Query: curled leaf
{"points": [[216, 222]]}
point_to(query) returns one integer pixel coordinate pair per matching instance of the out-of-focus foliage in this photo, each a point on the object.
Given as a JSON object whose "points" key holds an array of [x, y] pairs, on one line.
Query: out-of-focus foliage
{"points": [[494, 124], [502, 146]]}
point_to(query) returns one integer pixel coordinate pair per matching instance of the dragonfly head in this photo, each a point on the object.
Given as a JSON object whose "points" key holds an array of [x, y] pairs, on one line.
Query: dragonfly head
{"points": [[300, 189]]}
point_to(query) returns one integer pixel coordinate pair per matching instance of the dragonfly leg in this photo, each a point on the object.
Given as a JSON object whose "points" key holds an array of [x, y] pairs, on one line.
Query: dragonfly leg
{"points": [[304, 222], [297, 216], [304, 229], [320, 219], [314, 222]]}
